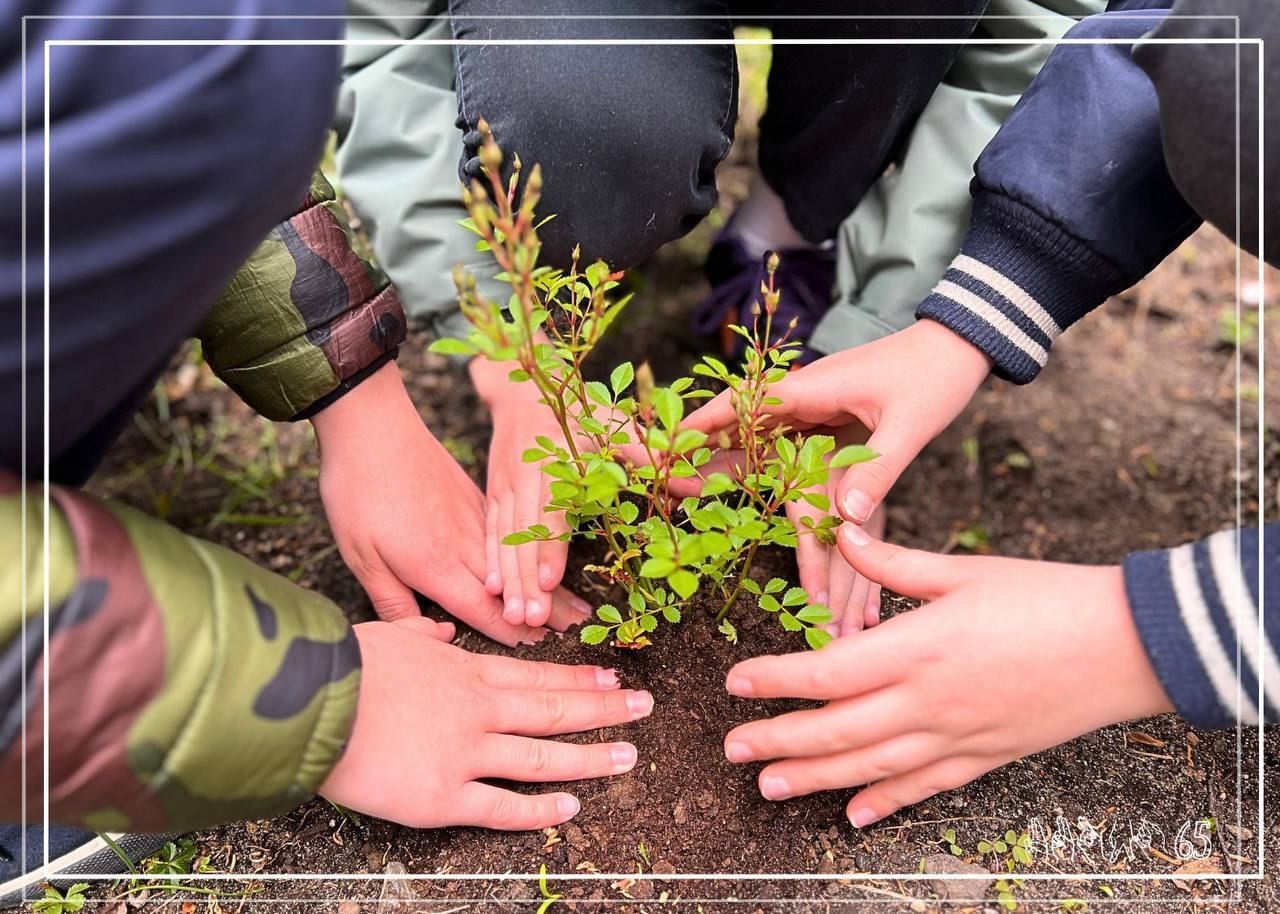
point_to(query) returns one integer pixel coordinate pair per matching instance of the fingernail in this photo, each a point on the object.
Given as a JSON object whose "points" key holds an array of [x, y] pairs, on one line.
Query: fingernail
{"points": [[532, 609], [581, 605], [832, 629], [737, 752], [855, 534], [568, 806], [822, 598], [862, 817], [773, 787], [857, 505], [640, 703], [607, 679], [546, 577], [493, 581], [739, 685], [623, 755]]}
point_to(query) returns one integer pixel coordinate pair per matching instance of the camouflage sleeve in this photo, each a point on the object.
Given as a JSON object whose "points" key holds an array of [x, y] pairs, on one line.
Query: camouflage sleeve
{"points": [[306, 318], [187, 686]]}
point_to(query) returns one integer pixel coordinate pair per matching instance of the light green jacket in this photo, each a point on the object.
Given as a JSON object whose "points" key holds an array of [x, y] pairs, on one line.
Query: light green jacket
{"points": [[399, 148]]}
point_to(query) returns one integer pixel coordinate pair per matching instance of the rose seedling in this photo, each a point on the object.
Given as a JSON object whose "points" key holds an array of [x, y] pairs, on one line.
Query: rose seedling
{"points": [[622, 446]]}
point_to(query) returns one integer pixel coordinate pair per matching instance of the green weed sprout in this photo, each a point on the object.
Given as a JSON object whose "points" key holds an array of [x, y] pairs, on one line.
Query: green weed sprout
{"points": [[622, 443]]}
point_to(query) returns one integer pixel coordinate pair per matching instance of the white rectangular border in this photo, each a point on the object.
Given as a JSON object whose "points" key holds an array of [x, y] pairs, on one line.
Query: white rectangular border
{"points": [[1115, 877]]}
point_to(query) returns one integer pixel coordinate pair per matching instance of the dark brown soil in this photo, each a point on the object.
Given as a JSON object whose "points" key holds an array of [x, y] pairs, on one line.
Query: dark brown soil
{"points": [[1130, 434], [1131, 440]]}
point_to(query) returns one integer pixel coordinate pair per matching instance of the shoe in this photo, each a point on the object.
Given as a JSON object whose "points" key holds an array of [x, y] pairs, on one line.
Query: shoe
{"points": [[805, 277], [71, 851]]}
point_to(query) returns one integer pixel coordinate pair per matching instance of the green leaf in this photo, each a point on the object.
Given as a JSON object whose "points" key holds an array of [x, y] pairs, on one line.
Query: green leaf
{"points": [[533, 455], [796, 596], [775, 585], [817, 637], [599, 393], [609, 613], [689, 439], [815, 614], [648, 623], [949, 836], [730, 633], [594, 634], [750, 586], [770, 604], [817, 499], [447, 345], [718, 484], [519, 538], [622, 377], [597, 272], [657, 568], [984, 847], [671, 614], [854, 453], [669, 407], [628, 512], [683, 582], [636, 601], [789, 622]]}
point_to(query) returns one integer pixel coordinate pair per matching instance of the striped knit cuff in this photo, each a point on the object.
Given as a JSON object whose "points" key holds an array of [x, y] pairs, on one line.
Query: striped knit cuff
{"points": [[1018, 282], [1198, 621]]}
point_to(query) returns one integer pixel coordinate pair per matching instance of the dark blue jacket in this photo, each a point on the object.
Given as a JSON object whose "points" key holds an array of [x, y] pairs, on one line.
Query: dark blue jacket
{"points": [[1072, 203]]}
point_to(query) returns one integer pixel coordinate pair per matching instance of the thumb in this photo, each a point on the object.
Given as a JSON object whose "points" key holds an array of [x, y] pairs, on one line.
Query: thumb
{"points": [[910, 572], [392, 598], [865, 485], [441, 631]]}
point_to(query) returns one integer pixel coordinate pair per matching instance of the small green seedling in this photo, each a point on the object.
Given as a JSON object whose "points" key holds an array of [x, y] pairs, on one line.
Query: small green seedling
{"points": [[548, 897], [953, 845], [1014, 848], [622, 443], [56, 902], [1005, 896]]}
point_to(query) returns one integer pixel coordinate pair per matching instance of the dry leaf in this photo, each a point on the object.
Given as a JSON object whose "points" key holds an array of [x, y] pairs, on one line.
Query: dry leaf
{"points": [[1143, 739]]}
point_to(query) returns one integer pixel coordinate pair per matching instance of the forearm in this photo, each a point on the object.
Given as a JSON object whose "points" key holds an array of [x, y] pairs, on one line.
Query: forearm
{"points": [[187, 686], [306, 319], [1197, 611], [1072, 203]]}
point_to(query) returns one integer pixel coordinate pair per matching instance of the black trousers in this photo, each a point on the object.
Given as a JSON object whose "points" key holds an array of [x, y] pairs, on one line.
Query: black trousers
{"points": [[629, 136]]}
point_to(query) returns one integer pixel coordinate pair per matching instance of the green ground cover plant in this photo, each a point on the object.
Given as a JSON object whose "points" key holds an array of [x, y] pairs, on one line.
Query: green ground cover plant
{"points": [[622, 445]]}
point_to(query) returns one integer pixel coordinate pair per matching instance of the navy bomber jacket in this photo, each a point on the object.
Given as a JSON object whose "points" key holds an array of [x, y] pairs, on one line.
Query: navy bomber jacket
{"points": [[1073, 202]]}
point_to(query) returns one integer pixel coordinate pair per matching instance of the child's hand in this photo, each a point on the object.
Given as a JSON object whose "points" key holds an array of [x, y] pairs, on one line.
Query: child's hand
{"points": [[853, 599], [405, 516], [527, 577], [908, 712], [905, 388], [434, 723]]}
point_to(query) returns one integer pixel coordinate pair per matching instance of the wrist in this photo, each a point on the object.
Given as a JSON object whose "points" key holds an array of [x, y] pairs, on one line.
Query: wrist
{"points": [[1135, 684], [380, 403], [963, 363]]}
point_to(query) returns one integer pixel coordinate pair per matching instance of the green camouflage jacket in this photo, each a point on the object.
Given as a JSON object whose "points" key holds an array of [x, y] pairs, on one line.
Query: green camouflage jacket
{"points": [[186, 685]]}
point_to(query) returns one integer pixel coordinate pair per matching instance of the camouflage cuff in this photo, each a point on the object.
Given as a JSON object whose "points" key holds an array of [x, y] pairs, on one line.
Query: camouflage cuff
{"points": [[305, 316], [187, 686]]}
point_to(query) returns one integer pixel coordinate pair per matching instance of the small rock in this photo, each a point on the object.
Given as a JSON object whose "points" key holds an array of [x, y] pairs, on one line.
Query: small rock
{"points": [[348, 907], [946, 864], [679, 813], [641, 889], [574, 836], [662, 868], [625, 795], [397, 896], [705, 800]]}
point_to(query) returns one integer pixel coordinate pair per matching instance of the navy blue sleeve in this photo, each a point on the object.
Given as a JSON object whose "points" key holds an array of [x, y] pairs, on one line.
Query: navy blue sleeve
{"points": [[1197, 611], [1072, 201]]}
